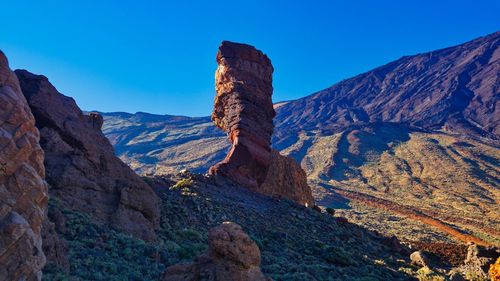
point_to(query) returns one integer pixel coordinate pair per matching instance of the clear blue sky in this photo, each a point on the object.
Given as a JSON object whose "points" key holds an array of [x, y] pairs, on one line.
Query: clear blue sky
{"points": [[159, 56]]}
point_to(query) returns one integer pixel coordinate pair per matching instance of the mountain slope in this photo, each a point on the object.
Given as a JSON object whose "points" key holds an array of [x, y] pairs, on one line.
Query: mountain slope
{"points": [[419, 134], [454, 89], [162, 144]]}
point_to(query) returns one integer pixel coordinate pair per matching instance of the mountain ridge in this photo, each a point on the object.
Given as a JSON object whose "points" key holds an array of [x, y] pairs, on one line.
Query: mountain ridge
{"points": [[358, 99]]}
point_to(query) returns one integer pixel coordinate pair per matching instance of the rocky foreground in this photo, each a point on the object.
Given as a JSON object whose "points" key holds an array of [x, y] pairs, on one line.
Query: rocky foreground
{"points": [[295, 243]]}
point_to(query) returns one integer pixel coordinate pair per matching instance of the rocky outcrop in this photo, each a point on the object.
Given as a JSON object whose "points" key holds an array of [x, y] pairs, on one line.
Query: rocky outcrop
{"points": [[23, 191], [479, 260], [244, 109], [81, 166], [418, 258], [286, 178], [232, 256]]}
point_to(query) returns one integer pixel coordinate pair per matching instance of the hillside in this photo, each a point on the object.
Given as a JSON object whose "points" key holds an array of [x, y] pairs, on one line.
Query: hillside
{"points": [[452, 90], [162, 144], [297, 243], [420, 133]]}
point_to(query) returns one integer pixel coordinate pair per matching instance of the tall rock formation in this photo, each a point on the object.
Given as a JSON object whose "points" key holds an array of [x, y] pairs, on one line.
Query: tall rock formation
{"points": [[232, 256], [23, 191], [244, 109], [81, 167]]}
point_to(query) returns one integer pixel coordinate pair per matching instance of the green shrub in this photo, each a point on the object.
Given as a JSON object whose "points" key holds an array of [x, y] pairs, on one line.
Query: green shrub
{"points": [[337, 256], [182, 184]]}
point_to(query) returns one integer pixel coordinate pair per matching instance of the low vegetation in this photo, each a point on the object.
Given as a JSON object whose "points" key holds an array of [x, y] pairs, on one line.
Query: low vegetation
{"points": [[296, 243]]}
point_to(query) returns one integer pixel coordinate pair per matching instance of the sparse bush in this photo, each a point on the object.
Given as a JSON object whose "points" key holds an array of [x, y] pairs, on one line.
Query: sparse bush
{"points": [[427, 274], [190, 234], [337, 256], [182, 184]]}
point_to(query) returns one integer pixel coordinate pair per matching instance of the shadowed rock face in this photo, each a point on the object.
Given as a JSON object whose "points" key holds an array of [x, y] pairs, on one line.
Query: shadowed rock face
{"points": [[81, 167], [244, 109], [231, 256], [23, 191]]}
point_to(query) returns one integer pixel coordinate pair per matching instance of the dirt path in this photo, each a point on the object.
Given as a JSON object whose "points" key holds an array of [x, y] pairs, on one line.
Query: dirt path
{"points": [[410, 213]]}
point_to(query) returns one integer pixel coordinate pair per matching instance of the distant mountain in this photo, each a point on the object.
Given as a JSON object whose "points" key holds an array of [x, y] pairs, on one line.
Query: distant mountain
{"points": [[454, 90], [161, 144], [410, 148]]}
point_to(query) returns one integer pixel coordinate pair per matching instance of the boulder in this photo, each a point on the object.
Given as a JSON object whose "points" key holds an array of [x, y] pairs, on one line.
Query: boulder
{"points": [[232, 256], [244, 109], [419, 258], [81, 167], [23, 190]]}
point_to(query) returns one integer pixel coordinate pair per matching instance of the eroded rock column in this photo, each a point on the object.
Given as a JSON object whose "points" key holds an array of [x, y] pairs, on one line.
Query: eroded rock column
{"points": [[244, 109]]}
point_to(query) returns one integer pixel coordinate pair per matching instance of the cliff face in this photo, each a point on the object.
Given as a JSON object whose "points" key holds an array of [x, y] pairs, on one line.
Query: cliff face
{"points": [[80, 164], [244, 109], [23, 191]]}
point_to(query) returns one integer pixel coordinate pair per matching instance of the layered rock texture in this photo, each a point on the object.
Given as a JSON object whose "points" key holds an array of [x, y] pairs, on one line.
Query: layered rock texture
{"points": [[81, 167], [23, 191], [244, 109], [232, 256]]}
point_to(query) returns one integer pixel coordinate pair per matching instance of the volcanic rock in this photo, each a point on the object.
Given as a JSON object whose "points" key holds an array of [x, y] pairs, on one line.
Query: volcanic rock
{"points": [[244, 109], [23, 191], [231, 256], [81, 166], [286, 178], [478, 260], [419, 258]]}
